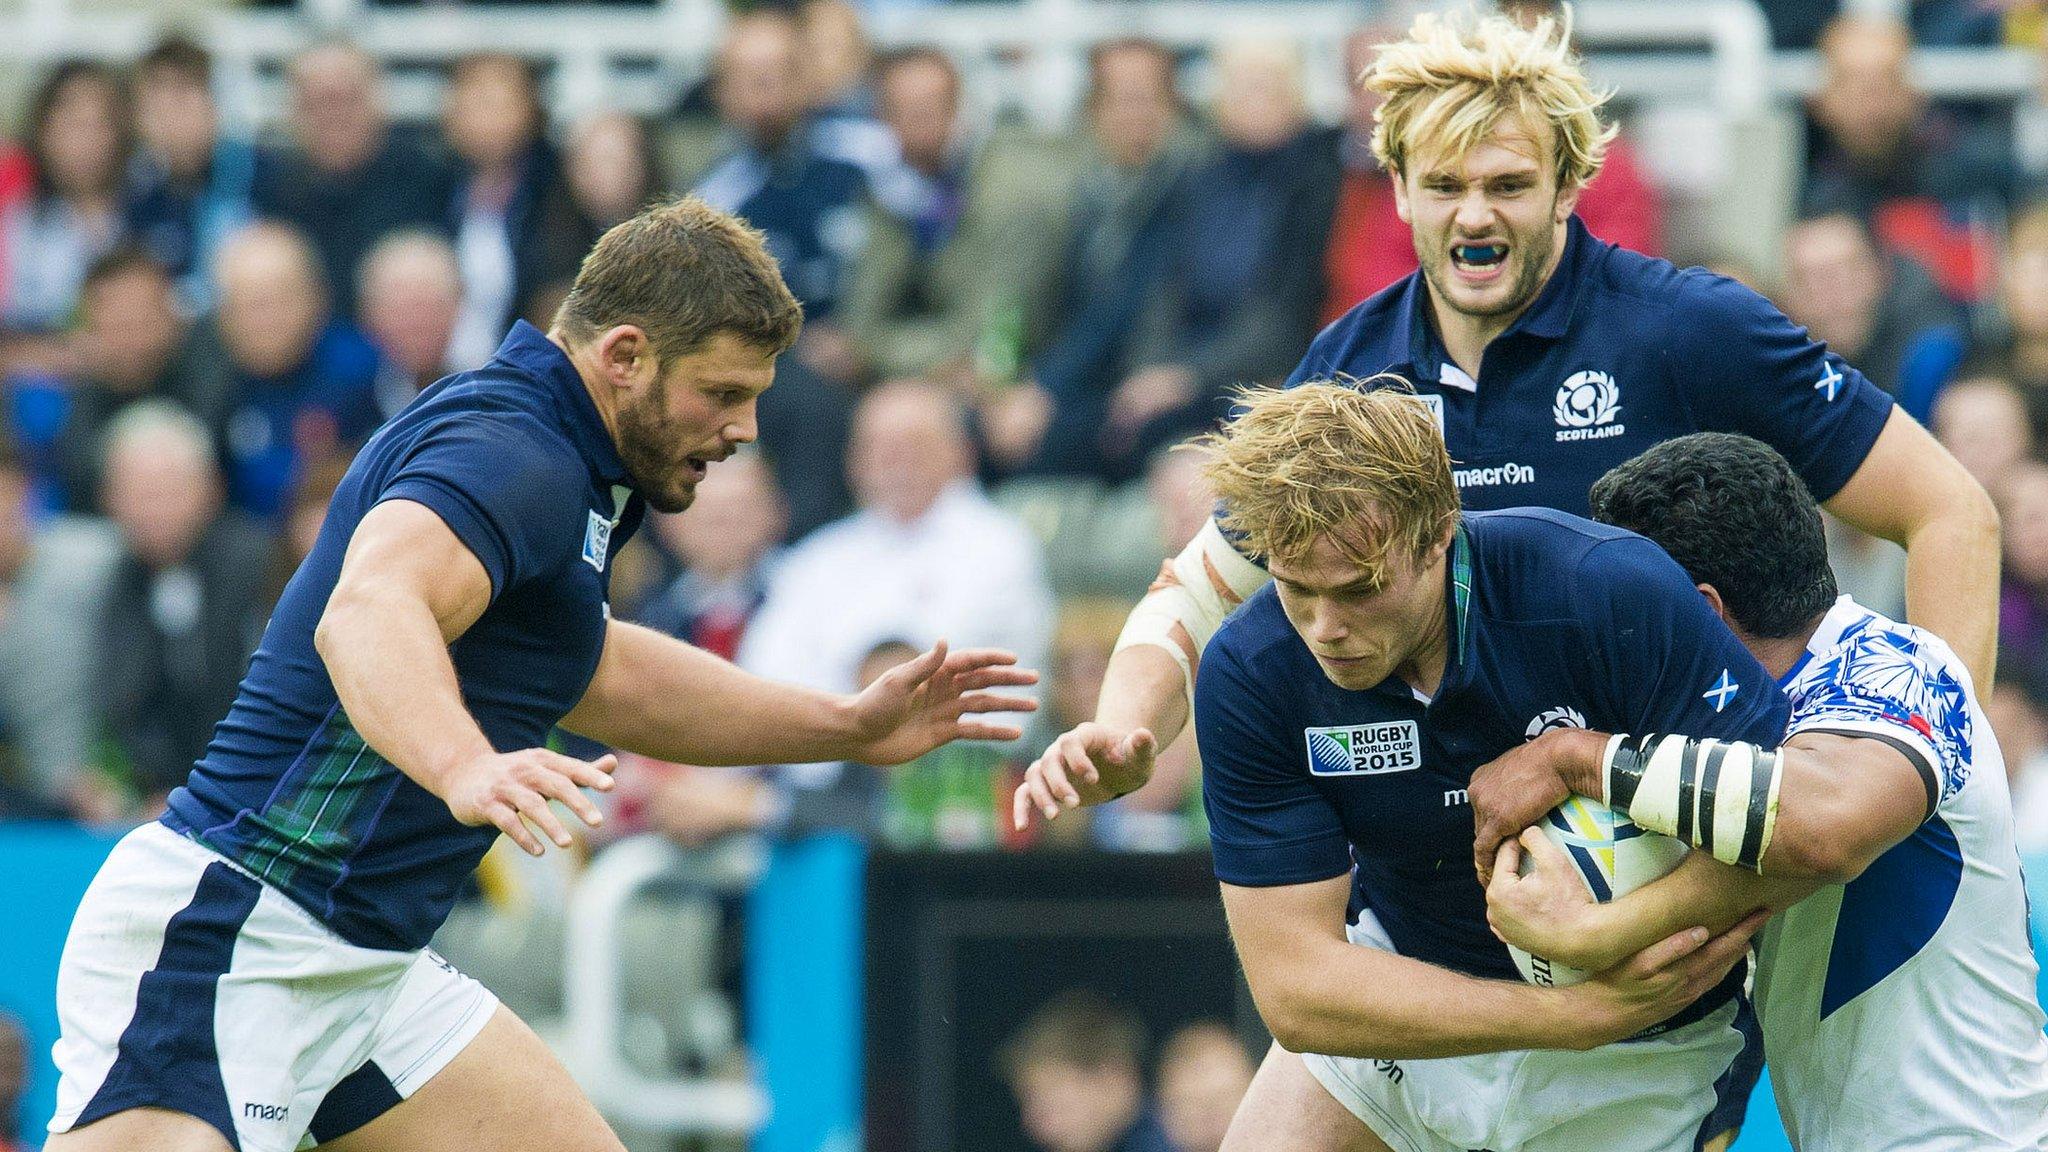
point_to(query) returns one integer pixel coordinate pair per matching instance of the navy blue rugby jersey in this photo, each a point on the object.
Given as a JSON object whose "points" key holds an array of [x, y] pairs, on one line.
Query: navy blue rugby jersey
{"points": [[515, 459], [1554, 622], [1620, 351]]}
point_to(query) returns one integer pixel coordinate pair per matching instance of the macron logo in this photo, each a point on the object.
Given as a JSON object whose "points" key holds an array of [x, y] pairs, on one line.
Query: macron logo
{"points": [[271, 1112]]}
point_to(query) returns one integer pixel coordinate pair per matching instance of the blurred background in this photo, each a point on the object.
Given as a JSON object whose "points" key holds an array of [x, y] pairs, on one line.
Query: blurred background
{"points": [[1036, 241]]}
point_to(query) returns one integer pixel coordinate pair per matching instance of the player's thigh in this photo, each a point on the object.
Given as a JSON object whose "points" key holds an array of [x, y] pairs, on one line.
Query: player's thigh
{"points": [[504, 1092], [153, 1128], [1288, 1110]]}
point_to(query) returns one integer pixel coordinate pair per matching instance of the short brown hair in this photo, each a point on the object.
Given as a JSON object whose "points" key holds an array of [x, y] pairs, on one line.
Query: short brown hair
{"points": [[1079, 1029], [683, 272], [179, 55], [1361, 464]]}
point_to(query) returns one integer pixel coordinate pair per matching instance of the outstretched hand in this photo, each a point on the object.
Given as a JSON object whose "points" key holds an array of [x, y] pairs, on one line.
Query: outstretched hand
{"points": [[936, 698], [1069, 773]]}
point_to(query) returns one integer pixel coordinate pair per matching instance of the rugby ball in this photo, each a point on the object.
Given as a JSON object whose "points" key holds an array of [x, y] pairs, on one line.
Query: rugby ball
{"points": [[1611, 855]]}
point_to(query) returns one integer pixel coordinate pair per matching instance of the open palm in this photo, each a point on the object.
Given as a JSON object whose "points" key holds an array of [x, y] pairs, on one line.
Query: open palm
{"points": [[937, 698]]}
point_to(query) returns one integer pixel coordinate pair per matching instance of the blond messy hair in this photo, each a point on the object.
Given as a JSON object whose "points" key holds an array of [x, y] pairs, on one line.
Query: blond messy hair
{"points": [[1455, 78], [1361, 464]]}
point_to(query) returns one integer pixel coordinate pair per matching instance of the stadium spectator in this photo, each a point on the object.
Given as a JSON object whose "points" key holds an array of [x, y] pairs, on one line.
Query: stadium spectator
{"points": [[839, 64], [305, 513], [1239, 302], [184, 608], [610, 167], [942, 288], [1080, 1088], [287, 382], [725, 545], [131, 345], [2023, 306], [1203, 1073], [2016, 712], [1114, 256], [53, 580], [925, 556], [14, 1057], [1880, 311], [1982, 420], [1877, 148], [2023, 602], [190, 185], [773, 174], [78, 140], [348, 176], [508, 198], [411, 288]]}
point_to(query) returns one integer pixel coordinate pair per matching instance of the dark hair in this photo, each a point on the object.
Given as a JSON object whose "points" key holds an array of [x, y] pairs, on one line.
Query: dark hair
{"points": [[1102, 50], [127, 256], [683, 272], [44, 103], [905, 57], [1079, 1028], [179, 54], [1734, 515]]}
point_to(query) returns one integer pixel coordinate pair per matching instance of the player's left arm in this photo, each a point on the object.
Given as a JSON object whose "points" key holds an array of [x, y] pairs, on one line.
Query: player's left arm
{"points": [[658, 696], [1909, 490], [1840, 801], [1744, 367]]}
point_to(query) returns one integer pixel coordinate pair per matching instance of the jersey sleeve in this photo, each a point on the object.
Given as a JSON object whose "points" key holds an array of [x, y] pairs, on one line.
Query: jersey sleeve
{"points": [[515, 501], [1667, 662], [1895, 687], [1743, 366], [1268, 825]]}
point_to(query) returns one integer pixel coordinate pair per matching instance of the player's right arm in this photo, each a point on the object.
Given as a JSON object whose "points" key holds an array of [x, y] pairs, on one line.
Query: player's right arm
{"points": [[1147, 689], [1318, 992], [408, 589]]}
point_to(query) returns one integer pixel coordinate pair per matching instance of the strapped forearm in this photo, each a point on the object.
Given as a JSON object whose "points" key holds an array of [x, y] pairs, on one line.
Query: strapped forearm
{"points": [[1187, 603], [1720, 796]]}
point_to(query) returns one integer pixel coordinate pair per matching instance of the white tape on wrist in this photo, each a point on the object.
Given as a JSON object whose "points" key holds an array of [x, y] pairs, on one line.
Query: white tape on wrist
{"points": [[1194, 592]]}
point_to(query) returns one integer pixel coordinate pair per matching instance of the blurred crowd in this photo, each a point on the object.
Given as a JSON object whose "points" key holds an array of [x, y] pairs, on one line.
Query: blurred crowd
{"points": [[1007, 334]]}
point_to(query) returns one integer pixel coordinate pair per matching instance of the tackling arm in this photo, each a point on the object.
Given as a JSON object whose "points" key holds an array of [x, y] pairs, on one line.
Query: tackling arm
{"points": [[1318, 992], [1909, 490], [1842, 801]]}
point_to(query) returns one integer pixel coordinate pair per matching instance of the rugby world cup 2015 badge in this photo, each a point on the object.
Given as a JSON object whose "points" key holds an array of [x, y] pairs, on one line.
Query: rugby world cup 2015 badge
{"points": [[597, 540], [1364, 749]]}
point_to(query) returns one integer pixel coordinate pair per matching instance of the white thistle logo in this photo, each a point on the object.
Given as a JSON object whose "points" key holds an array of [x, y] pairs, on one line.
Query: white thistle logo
{"points": [[1586, 399], [1562, 716]]}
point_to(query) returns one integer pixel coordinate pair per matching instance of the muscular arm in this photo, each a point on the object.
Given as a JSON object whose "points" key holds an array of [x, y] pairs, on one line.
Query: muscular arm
{"points": [[1318, 992], [1843, 802], [1909, 490], [660, 697], [408, 589], [663, 698]]}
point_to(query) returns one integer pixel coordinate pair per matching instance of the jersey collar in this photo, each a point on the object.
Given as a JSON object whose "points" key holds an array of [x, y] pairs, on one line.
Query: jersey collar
{"points": [[529, 351], [1844, 615], [1548, 318]]}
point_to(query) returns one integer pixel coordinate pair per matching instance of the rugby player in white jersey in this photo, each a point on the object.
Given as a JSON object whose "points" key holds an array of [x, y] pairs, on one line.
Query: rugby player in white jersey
{"points": [[1896, 991]]}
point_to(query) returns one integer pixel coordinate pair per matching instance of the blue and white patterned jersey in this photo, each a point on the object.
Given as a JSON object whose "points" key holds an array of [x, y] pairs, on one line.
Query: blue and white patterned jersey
{"points": [[1898, 1010]]}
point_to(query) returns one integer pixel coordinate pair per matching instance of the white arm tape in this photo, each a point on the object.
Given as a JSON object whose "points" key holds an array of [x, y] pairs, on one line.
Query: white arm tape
{"points": [[1188, 602]]}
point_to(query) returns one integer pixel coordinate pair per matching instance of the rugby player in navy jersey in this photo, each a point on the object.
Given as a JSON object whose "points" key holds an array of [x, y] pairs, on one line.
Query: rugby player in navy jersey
{"points": [[251, 972], [1549, 357], [1896, 989], [1401, 645]]}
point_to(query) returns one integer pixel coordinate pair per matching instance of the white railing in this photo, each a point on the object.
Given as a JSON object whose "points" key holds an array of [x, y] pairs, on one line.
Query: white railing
{"points": [[595, 1021]]}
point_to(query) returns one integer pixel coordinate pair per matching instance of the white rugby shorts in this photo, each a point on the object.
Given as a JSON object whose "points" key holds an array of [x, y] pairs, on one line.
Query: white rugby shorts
{"points": [[1648, 1095], [188, 985]]}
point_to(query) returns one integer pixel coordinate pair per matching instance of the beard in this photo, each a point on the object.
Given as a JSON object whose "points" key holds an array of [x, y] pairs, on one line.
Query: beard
{"points": [[647, 443], [1530, 254]]}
